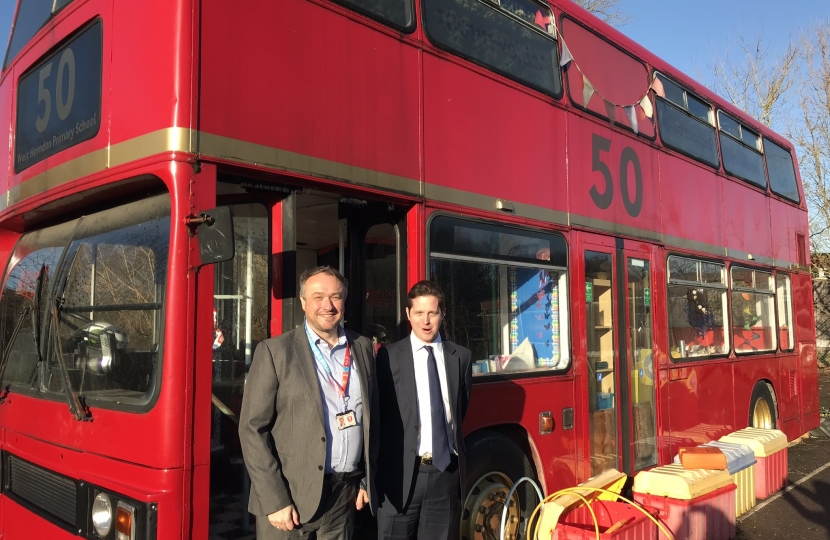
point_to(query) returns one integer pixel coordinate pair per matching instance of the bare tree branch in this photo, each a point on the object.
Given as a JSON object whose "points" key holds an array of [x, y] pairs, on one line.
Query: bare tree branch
{"points": [[607, 10], [810, 132], [756, 82]]}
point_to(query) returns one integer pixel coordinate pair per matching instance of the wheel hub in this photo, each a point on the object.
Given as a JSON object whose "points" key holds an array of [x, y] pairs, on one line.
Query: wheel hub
{"points": [[481, 515], [762, 415]]}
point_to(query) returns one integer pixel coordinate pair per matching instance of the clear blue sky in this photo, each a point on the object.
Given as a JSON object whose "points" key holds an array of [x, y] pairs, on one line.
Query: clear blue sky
{"points": [[685, 34], [7, 8]]}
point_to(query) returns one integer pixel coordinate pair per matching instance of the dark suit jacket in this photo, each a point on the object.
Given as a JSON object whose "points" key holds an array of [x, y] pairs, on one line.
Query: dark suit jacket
{"points": [[399, 419], [281, 425]]}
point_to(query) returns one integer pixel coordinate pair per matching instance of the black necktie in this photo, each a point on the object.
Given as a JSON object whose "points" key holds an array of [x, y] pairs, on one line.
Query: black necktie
{"points": [[440, 438]]}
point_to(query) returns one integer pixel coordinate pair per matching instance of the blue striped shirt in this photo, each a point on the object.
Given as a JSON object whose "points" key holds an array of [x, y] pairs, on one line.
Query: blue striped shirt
{"points": [[344, 449]]}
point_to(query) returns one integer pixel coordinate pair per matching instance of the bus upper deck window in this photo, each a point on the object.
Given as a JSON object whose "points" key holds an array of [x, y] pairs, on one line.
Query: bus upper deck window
{"points": [[670, 91], [742, 151], [699, 108], [515, 38], [31, 16], [396, 13], [686, 121], [781, 170]]}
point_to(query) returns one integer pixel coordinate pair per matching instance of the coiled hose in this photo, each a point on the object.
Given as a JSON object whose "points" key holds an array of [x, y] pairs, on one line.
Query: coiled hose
{"points": [[574, 491]]}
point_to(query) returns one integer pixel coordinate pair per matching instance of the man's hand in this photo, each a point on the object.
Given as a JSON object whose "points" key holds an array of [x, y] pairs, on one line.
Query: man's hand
{"points": [[362, 499], [285, 519]]}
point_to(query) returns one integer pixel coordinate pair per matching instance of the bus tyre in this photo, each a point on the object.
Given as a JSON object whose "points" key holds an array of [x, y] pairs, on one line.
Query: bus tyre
{"points": [[494, 463], [762, 406]]}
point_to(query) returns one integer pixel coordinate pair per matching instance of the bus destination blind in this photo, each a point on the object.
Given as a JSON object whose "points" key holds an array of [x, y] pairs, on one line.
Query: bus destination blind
{"points": [[59, 101]]}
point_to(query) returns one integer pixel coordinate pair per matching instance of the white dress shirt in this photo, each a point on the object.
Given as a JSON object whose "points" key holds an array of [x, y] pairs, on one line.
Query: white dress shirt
{"points": [[419, 353]]}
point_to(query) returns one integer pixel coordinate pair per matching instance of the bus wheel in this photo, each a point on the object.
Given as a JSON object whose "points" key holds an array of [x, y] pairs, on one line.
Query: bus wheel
{"points": [[494, 462], [762, 406]]}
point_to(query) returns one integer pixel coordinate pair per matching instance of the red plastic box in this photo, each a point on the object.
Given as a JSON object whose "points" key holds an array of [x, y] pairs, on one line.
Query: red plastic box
{"points": [[708, 517], [579, 525]]}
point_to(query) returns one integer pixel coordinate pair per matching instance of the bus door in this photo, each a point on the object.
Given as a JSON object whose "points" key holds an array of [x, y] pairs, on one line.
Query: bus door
{"points": [[278, 234], [619, 344]]}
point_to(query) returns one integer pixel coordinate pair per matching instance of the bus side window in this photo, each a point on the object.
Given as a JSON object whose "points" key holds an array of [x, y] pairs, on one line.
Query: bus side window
{"points": [[742, 151], [784, 298], [697, 308], [396, 13], [781, 171], [686, 121], [480, 32], [506, 294], [753, 314]]}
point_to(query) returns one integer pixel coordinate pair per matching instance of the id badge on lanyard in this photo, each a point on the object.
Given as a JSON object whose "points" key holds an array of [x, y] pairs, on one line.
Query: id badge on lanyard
{"points": [[347, 418]]}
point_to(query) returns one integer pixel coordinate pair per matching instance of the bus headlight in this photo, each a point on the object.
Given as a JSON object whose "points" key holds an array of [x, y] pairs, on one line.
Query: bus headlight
{"points": [[102, 514]]}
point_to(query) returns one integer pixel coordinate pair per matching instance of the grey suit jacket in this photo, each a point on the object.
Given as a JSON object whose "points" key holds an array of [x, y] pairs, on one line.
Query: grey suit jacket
{"points": [[400, 422], [281, 425]]}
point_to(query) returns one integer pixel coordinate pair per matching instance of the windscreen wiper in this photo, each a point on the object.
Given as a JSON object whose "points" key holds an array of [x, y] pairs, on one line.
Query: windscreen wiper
{"points": [[76, 403], [7, 352], [36, 322]]}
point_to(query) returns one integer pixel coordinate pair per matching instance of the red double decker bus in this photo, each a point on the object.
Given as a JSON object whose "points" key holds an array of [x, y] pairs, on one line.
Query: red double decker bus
{"points": [[623, 251]]}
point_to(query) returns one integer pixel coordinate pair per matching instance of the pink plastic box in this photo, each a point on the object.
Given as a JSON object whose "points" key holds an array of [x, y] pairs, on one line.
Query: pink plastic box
{"points": [[770, 447], [579, 525], [707, 517]]}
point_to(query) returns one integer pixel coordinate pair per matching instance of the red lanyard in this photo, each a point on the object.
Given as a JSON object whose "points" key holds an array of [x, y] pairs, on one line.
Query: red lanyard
{"points": [[347, 363]]}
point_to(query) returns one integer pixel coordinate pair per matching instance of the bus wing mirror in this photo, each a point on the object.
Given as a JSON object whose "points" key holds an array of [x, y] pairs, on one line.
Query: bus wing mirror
{"points": [[214, 229]]}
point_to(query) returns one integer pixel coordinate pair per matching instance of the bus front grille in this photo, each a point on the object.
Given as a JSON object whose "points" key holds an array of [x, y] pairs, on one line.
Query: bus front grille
{"points": [[48, 491]]}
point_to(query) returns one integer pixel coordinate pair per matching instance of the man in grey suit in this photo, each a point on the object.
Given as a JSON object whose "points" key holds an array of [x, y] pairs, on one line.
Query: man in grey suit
{"points": [[309, 421], [424, 384]]}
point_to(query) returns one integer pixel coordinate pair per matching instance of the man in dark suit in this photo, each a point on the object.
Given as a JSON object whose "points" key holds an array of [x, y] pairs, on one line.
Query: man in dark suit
{"points": [[424, 386], [309, 421]]}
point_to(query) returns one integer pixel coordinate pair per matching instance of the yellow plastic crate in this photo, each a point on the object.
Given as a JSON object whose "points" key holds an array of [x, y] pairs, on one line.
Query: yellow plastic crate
{"points": [[745, 494], [740, 461], [678, 483]]}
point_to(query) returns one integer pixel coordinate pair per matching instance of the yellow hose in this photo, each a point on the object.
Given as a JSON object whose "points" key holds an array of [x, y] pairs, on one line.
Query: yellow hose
{"points": [[575, 491]]}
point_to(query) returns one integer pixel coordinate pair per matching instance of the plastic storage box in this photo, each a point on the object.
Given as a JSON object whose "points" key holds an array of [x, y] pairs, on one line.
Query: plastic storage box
{"points": [[770, 448], [605, 400], [579, 525], [740, 463], [695, 504]]}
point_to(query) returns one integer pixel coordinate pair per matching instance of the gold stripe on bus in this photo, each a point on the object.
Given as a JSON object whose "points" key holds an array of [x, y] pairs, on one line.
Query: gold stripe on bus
{"points": [[184, 140], [58, 175], [667, 240], [157, 142], [478, 201], [261, 155], [756, 259], [163, 140], [616, 228]]}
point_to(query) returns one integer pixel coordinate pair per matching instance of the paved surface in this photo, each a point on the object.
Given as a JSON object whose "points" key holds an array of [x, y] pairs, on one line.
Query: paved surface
{"points": [[801, 510]]}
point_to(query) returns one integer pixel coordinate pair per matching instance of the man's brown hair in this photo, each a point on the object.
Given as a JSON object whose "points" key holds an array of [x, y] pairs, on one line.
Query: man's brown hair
{"points": [[311, 272], [426, 288]]}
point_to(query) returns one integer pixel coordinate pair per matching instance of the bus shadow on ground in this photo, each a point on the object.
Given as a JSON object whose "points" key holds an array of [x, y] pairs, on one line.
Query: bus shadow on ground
{"points": [[812, 502]]}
